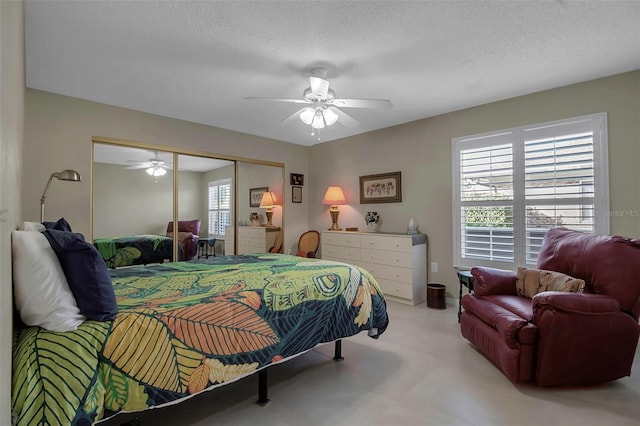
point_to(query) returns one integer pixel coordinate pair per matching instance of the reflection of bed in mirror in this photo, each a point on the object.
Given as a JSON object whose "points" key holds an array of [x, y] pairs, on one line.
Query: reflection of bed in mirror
{"points": [[132, 250]]}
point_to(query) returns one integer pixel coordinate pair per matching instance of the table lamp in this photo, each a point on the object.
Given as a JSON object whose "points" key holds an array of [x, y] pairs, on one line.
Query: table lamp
{"points": [[334, 197], [268, 202]]}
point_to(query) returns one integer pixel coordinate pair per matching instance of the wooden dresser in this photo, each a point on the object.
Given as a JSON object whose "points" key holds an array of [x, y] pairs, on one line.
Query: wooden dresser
{"points": [[397, 261], [252, 239]]}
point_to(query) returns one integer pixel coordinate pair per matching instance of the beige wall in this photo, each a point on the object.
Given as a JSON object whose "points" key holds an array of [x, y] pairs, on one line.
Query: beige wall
{"points": [[58, 134], [11, 136], [421, 150]]}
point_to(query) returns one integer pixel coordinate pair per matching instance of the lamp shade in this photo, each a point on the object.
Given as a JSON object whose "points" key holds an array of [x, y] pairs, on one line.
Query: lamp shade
{"points": [[334, 196], [307, 114], [268, 200], [68, 174]]}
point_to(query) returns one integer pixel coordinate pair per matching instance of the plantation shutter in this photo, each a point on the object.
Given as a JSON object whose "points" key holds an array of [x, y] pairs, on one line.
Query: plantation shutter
{"points": [[219, 206], [513, 185]]}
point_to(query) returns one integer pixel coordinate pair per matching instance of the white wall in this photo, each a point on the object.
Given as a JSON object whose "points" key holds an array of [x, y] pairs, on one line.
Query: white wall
{"points": [[11, 137], [58, 135], [421, 150]]}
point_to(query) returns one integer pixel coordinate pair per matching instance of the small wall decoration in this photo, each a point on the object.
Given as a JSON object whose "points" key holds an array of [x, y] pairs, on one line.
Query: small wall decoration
{"points": [[296, 194], [296, 179], [255, 196], [381, 188]]}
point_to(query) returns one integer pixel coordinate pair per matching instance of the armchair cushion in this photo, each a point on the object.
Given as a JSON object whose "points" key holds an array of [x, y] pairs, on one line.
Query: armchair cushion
{"points": [[608, 264], [488, 281], [530, 282]]}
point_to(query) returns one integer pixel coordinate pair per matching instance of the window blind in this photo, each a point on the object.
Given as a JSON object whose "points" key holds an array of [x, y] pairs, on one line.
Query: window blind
{"points": [[511, 186]]}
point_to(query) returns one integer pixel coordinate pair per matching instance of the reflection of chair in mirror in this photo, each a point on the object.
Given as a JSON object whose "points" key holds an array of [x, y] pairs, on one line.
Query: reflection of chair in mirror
{"points": [[188, 231], [308, 244], [277, 244]]}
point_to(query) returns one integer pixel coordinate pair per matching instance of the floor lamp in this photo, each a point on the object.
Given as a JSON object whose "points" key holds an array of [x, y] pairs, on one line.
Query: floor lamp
{"points": [[69, 175]]}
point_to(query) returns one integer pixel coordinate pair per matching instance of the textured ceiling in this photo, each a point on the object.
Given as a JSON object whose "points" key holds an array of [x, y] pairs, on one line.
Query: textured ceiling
{"points": [[197, 61]]}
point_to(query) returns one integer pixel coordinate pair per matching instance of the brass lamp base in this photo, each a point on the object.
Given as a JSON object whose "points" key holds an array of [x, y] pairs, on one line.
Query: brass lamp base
{"points": [[269, 214], [334, 212]]}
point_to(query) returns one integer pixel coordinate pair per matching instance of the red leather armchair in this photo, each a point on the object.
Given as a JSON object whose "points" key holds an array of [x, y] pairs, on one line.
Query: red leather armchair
{"points": [[188, 236], [557, 338]]}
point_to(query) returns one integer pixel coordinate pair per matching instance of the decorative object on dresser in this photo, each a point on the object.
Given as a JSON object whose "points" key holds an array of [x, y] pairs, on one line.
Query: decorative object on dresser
{"points": [[296, 194], [255, 196], [398, 262], [372, 219], [68, 175], [253, 218], [381, 188], [268, 202], [296, 179], [334, 197]]}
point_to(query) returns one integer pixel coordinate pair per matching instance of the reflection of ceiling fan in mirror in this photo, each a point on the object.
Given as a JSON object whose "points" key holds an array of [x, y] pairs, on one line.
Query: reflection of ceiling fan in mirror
{"points": [[154, 166], [323, 106]]}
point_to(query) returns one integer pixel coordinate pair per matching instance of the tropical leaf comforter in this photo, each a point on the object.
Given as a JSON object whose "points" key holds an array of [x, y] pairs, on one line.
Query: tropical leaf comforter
{"points": [[135, 250], [184, 327]]}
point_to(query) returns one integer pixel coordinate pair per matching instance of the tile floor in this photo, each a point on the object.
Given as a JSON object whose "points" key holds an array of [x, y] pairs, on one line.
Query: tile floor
{"points": [[420, 372]]}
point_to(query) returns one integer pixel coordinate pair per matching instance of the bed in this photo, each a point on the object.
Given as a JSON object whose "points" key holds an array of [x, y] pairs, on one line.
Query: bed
{"points": [[136, 250], [186, 327]]}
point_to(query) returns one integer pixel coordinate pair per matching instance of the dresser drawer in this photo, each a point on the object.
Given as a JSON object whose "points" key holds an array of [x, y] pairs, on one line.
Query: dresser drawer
{"points": [[250, 232], [391, 243], [386, 257], [387, 272], [344, 254], [394, 288], [346, 240]]}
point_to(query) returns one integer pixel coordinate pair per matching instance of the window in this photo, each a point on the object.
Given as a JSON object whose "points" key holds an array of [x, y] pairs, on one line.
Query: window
{"points": [[511, 186], [219, 206]]}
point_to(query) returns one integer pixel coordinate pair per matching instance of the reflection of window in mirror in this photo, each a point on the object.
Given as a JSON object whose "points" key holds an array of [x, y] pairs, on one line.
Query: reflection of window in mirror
{"points": [[205, 194]]}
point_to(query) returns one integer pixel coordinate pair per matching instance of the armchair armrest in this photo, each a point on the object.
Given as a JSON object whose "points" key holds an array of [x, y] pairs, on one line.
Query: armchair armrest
{"points": [[577, 303], [488, 281]]}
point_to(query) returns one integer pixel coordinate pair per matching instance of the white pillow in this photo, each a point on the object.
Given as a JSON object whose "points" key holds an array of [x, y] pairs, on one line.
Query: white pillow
{"points": [[41, 291], [32, 226]]}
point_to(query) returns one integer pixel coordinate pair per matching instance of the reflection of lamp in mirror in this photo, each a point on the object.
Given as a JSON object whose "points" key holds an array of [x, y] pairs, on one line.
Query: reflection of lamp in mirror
{"points": [[69, 175], [334, 197], [268, 202]]}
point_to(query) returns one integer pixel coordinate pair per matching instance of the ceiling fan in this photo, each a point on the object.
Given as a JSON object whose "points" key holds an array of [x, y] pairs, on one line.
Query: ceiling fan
{"points": [[154, 166], [323, 107]]}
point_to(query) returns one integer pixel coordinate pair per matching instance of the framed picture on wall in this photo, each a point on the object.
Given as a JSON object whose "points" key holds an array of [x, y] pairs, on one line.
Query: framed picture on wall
{"points": [[296, 179], [296, 194], [381, 188], [255, 196]]}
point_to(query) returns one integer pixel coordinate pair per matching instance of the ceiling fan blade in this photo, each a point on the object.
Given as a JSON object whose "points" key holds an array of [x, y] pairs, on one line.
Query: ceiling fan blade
{"points": [[138, 166], [343, 118], [363, 103], [319, 86], [293, 101], [292, 117]]}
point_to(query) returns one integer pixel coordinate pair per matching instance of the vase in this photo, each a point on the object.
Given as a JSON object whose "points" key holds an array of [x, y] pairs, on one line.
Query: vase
{"points": [[372, 226]]}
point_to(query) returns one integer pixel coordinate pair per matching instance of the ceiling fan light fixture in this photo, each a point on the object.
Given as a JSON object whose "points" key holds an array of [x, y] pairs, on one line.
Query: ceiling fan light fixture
{"points": [[307, 114], [156, 171], [318, 120], [330, 117]]}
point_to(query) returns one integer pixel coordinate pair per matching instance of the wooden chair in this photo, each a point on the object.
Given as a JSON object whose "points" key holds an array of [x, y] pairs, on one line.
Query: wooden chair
{"points": [[308, 244], [277, 244]]}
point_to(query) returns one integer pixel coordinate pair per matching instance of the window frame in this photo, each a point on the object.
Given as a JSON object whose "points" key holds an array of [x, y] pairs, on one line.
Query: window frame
{"points": [[219, 183], [516, 137]]}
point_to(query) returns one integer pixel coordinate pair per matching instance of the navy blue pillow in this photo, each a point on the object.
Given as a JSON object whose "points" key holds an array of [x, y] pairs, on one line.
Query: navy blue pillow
{"points": [[61, 225], [87, 274]]}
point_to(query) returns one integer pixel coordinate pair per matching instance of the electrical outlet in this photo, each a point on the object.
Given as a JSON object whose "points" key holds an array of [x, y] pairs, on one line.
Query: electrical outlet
{"points": [[434, 266]]}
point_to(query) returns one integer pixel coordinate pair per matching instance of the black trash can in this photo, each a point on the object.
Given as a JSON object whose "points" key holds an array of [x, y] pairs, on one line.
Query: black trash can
{"points": [[435, 296]]}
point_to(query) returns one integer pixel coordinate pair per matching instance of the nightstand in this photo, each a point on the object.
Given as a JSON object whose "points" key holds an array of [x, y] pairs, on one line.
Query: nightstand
{"points": [[466, 280], [206, 247]]}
